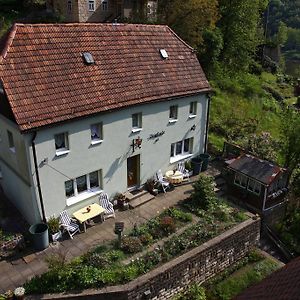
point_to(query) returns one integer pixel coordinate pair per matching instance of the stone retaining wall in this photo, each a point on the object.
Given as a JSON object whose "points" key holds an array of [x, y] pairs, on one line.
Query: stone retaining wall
{"points": [[197, 265]]}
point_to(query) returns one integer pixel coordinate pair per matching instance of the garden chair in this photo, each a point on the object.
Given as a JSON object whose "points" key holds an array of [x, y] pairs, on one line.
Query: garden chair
{"points": [[68, 224], [181, 168], [107, 205], [162, 181]]}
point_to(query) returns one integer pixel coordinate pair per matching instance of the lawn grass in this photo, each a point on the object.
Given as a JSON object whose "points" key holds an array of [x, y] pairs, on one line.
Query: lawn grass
{"points": [[245, 105], [241, 279]]}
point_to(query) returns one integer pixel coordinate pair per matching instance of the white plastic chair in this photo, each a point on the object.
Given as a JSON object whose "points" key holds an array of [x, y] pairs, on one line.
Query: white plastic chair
{"points": [[68, 224], [162, 181], [181, 168], [107, 205]]}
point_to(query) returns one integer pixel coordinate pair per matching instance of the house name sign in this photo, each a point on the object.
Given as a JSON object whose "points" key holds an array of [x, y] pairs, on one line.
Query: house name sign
{"points": [[156, 135]]}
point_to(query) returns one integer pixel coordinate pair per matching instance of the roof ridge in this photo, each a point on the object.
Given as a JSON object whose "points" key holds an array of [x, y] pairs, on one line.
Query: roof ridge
{"points": [[86, 24], [9, 39], [180, 39]]}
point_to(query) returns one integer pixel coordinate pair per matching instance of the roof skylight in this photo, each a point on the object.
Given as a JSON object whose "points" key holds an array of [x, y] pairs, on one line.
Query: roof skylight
{"points": [[88, 58], [163, 53]]}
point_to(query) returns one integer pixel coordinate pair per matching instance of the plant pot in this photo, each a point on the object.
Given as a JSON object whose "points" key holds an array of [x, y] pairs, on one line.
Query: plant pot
{"points": [[196, 165], [205, 159], [56, 236], [40, 236], [154, 192]]}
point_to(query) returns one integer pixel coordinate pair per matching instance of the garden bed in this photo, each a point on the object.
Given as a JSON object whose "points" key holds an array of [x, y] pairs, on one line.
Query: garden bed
{"points": [[104, 266]]}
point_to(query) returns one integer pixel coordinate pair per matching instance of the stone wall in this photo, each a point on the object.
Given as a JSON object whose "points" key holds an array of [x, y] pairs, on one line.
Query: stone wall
{"points": [[197, 265]]}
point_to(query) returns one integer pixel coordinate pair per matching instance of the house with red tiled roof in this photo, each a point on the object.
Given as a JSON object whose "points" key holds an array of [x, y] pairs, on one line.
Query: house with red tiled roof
{"points": [[92, 107], [103, 10]]}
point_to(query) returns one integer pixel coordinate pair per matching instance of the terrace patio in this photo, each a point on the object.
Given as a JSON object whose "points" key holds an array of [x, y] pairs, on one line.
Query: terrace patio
{"points": [[19, 270]]}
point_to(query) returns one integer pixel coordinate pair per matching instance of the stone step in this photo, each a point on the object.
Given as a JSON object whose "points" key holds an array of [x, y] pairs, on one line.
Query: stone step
{"points": [[134, 195], [140, 200]]}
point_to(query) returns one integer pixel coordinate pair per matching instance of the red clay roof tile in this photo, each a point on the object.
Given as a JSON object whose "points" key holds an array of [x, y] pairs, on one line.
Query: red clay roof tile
{"points": [[284, 284], [46, 80]]}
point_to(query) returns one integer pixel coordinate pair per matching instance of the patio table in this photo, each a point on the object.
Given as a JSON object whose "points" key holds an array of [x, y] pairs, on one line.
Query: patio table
{"points": [[176, 177], [82, 215]]}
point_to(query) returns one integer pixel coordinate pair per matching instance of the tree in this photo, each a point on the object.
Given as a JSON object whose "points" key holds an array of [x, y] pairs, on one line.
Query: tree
{"points": [[211, 50], [282, 34], [263, 146], [190, 18], [239, 23], [290, 128]]}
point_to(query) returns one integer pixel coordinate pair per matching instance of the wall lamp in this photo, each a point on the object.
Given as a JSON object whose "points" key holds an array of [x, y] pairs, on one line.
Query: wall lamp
{"points": [[193, 127], [136, 143]]}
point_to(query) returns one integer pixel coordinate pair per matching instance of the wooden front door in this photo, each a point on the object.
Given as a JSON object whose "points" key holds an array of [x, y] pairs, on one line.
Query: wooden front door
{"points": [[133, 171]]}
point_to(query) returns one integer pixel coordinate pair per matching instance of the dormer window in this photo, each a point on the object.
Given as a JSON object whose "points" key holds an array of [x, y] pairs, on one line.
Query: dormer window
{"points": [[88, 58], [163, 53]]}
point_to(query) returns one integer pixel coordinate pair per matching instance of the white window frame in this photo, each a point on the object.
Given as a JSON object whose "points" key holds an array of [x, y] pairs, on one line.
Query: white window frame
{"points": [[193, 109], [88, 193], [69, 6], [173, 113], [63, 150], [239, 182], [137, 127], [252, 186], [104, 5], [11, 142], [183, 154], [91, 5], [97, 140]]}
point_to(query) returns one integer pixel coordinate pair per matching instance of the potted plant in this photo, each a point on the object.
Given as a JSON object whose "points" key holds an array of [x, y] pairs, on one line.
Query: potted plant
{"points": [[54, 231], [188, 166], [151, 186], [121, 201]]}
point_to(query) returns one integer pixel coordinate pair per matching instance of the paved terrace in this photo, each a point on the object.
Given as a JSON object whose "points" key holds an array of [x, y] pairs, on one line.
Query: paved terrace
{"points": [[14, 273]]}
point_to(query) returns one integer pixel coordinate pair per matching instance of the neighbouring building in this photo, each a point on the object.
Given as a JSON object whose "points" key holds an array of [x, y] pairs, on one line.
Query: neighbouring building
{"points": [[104, 10], [259, 184], [92, 107]]}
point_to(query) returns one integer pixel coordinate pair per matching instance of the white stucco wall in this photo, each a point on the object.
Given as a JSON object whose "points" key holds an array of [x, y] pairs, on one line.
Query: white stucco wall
{"points": [[111, 155], [16, 178]]}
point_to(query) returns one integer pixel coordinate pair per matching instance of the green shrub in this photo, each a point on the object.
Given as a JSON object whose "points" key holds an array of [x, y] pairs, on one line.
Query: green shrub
{"points": [[53, 225], [180, 215], [98, 261], [203, 193], [194, 292], [131, 244], [115, 255], [146, 238], [167, 225]]}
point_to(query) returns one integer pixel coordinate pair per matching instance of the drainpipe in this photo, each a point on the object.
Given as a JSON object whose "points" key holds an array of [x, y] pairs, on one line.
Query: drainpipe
{"points": [[38, 177], [207, 123], [265, 198]]}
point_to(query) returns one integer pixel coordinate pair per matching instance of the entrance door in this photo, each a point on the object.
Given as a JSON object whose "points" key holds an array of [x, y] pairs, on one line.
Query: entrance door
{"points": [[133, 171]]}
